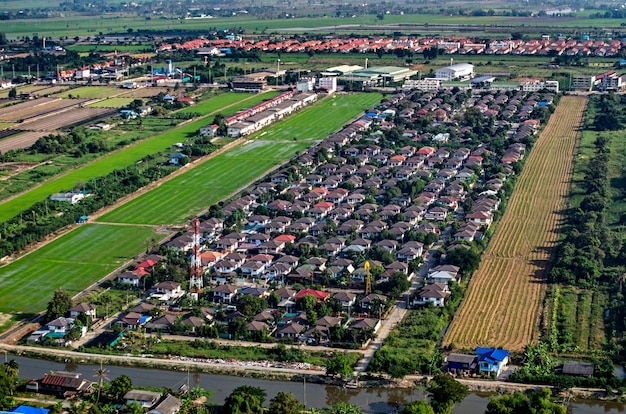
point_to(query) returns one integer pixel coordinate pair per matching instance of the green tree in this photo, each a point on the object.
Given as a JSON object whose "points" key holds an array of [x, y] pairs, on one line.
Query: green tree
{"points": [[59, 305], [418, 407], [250, 305], [120, 386], [340, 363], [101, 374], [531, 402], [284, 403], [342, 408], [245, 400], [444, 392], [12, 93]]}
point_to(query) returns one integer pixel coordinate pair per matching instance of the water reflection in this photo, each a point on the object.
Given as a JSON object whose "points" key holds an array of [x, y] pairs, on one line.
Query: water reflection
{"points": [[378, 400]]}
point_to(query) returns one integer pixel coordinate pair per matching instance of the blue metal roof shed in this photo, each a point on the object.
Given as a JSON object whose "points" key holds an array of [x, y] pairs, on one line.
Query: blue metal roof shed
{"points": [[25, 409]]}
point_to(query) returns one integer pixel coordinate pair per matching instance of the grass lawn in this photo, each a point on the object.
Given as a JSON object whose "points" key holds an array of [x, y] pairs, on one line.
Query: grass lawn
{"points": [[112, 103], [91, 92], [179, 199], [115, 160], [72, 262], [335, 110]]}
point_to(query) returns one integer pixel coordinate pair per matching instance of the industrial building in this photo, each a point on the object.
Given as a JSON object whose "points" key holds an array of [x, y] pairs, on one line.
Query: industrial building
{"points": [[341, 70], [250, 83], [460, 71], [379, 75]]}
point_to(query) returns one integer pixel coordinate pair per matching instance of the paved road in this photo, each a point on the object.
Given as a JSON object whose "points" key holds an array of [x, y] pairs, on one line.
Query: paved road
{"points": [[400, 309]]}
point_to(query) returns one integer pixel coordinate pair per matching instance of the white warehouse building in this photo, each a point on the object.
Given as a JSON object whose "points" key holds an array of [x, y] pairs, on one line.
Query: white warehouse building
{"points": [[461, 71]]}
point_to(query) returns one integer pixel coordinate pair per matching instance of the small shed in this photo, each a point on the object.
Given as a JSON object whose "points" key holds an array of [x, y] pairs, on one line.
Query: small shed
{"points": [[83, 219], [578, 368]]}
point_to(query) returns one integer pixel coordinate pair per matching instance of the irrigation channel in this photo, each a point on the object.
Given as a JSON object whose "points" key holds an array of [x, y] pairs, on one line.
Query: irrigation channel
{"points": [[379, 400]]}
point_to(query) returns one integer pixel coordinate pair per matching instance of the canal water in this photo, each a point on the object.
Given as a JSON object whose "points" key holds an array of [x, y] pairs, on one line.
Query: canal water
{"points": [[380, 400]]}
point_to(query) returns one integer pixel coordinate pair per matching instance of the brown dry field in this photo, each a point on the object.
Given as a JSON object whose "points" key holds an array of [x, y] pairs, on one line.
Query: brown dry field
{"points": [[503, 300]]}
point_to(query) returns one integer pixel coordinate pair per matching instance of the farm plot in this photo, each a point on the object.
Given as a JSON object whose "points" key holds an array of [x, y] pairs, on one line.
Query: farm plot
{"points": [[23, 140], [214, 104], [118, 102], [501, 305], [72, 262], [24, 106], [40, 110], [147, 92], [335, 110], [66, 119], [178, 199], [107, 164], [91, 92]]}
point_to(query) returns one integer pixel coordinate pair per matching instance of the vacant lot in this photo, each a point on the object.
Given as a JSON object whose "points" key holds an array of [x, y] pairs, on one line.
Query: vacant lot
{"points": [[501, 305], [73, 262], [112, 161], [335, 111]]}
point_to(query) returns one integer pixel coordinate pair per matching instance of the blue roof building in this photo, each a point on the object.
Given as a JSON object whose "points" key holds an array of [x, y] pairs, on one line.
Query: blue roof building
{"points": [[492, 360], [25, 409]]}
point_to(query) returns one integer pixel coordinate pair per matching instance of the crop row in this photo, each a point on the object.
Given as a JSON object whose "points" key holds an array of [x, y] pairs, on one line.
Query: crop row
{"points": [[106, 164], [501, 306]]}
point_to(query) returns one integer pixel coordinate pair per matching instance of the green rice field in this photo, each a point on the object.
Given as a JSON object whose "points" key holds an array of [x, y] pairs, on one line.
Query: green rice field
{"points": [[112, 103], [73, 262], [91, 92], [335, 110], [210, 106], [116, 160], [179, 199], [184, 196]]}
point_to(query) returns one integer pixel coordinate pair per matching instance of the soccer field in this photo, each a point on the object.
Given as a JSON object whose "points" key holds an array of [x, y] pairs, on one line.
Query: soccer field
{"points": [[72, 262]]}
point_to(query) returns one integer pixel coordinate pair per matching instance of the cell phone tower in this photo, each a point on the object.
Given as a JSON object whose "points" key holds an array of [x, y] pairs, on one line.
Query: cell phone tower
{"points": [[195, 277]]}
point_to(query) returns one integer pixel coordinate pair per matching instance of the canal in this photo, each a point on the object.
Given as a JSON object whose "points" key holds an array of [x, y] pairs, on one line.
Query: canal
{"points": [[383, 400]]}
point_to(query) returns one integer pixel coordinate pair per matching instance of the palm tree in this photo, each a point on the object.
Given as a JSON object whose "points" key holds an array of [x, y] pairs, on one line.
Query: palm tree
{"points": [[101, 374], [12, 368]]}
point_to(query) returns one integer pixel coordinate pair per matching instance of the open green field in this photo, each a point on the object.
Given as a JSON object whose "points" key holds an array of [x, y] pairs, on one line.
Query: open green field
{"points": [[209, 106], [77, 25], [72, 262], [335, 110], [91, 92], [112, 103], [184, 196], [177, 200], [116, 160], [4, 125]]}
